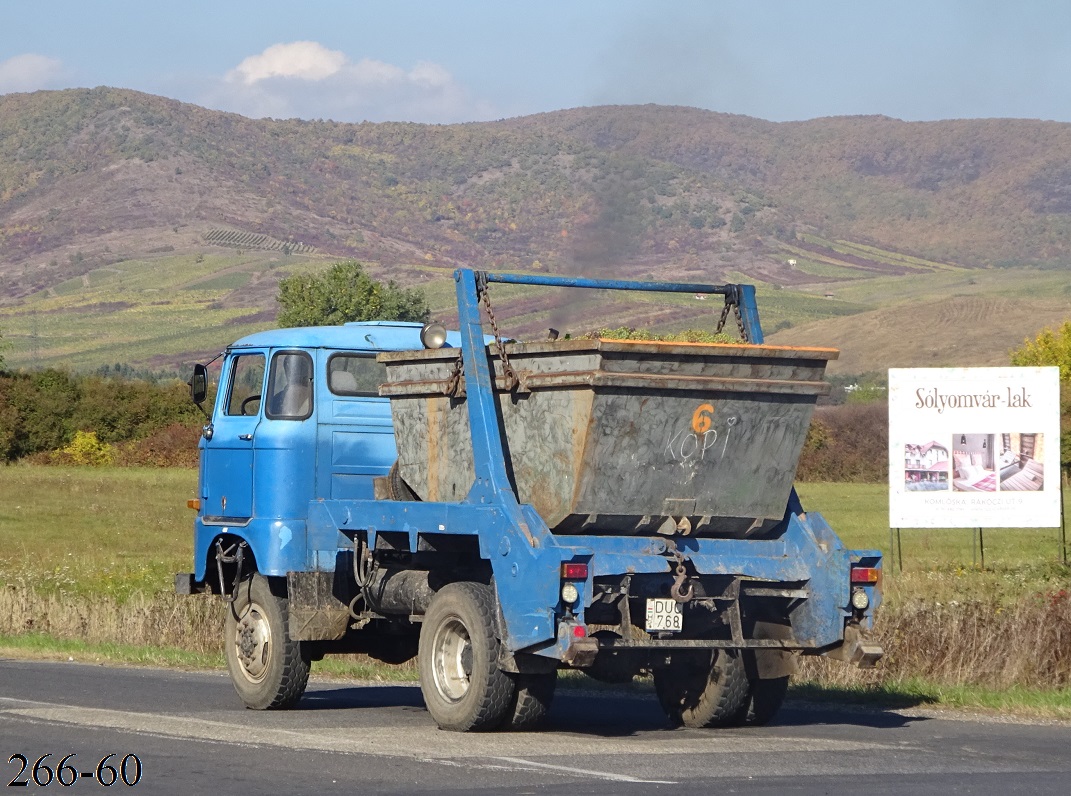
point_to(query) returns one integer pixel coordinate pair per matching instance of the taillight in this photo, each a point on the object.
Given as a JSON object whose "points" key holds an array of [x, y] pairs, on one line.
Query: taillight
{"points": [[571, 571], [866, 575]]}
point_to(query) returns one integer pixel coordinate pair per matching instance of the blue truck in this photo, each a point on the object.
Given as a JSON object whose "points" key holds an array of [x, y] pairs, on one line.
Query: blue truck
{"points": [[501, 510]]}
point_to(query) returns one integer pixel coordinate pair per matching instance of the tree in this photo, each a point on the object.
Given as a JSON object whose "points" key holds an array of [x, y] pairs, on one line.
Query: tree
{"points": [[1053, 347], [346, 293], [1050, 347]]}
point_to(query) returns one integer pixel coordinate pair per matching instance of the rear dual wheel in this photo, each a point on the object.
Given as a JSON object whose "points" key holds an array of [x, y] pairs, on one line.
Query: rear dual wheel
{"points": [[464, 687], [720, 690], [709, 690], [766, 697], [531, 701]]}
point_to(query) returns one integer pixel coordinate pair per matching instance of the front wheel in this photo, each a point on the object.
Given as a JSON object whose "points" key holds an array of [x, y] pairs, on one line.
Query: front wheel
{"points": [[463, 686], [266, 666], [708, 691]]}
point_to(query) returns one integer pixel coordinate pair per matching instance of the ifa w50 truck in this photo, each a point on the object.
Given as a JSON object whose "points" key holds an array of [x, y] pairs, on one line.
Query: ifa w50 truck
{"points": [[502, 510]]}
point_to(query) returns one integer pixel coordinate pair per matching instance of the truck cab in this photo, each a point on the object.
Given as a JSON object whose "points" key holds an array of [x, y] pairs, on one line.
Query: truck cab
{"points": [[297, 418]]}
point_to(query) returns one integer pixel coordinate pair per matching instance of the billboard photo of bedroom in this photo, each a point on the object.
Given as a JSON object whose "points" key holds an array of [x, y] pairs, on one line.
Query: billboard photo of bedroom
{"points": [[974, 462], [1020, 460]]}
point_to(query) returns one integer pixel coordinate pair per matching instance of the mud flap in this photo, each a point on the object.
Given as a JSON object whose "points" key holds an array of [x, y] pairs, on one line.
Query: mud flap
{"points": [[316, 613]]}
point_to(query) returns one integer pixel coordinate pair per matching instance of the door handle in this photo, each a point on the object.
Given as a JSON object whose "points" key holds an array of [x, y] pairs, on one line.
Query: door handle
{"points": [[245, 436]]}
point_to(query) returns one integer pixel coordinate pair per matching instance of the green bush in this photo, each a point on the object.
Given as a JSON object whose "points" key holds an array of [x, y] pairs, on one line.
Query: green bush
{"points": [[847, 443], [86, 450], [42, 411]]}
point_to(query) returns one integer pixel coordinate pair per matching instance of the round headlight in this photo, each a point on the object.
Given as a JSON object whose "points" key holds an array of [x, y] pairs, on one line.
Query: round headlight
{"points": [[570, 594], [433, 335], [859, 599]]}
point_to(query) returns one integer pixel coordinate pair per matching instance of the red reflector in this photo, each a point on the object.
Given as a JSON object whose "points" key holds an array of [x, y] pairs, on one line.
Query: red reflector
{"points": [[575, 571], [865, 574], [579, 631]]}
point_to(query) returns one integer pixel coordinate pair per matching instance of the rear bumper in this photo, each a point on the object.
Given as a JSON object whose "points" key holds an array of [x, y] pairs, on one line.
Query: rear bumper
{"points": [[857, 649]]}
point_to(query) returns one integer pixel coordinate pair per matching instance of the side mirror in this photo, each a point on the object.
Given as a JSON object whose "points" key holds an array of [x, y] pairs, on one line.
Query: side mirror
{"points": [[199, 384]]}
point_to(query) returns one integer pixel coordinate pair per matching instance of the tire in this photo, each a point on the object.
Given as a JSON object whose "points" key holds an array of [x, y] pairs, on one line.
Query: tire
{"points": [[464, 688], [767, 696], [397, 489], [708, 692], [267, 668], [531, 701]]}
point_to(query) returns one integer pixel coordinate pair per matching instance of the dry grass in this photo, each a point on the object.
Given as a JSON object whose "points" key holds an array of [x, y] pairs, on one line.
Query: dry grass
{"points": [[163, 620], [982, 644]]}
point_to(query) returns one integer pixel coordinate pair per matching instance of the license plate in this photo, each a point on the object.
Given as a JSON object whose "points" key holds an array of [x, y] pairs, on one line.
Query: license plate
{"points": [[664, 615]]}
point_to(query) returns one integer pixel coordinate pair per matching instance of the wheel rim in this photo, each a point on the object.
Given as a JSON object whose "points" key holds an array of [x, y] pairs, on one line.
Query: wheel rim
{"points": [[452, 659], [253, 643]]}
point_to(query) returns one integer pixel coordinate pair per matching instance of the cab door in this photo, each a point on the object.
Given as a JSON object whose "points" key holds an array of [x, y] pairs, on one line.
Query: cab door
{"points": [[227, 454], [356, 433]]}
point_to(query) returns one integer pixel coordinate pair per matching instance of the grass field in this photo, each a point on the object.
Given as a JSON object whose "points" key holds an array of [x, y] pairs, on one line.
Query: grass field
{"points": [[89, 554], [86, 531], [118, 531]]}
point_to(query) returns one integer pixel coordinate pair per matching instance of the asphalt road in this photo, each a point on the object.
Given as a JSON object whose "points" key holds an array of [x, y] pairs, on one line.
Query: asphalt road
{"points": [[191, 736]]}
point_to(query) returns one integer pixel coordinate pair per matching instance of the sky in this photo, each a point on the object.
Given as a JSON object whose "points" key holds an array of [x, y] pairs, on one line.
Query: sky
{"points": [[450, 61]]}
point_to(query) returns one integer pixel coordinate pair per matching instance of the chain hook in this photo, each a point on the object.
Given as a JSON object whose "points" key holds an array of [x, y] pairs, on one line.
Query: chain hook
{"points": [[677, 590]]}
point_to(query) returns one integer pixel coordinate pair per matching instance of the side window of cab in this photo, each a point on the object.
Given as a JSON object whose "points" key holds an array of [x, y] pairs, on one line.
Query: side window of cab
{"points": [[247, 380], [356, 375], [289, 386]]}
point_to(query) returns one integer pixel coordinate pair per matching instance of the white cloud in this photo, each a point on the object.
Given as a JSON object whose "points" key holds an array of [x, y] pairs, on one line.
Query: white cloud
{"points": [[306, 60], [306, 80], [30, 72]]}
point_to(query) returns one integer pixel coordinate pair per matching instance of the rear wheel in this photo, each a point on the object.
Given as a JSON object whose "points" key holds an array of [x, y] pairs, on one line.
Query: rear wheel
{"points": [[531, 702], [766, 699], [464, 688], [267, 668], [704, 691]]}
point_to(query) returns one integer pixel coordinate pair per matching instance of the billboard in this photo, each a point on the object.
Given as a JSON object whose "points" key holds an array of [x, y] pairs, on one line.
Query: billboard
{"points": [[974, 447]]}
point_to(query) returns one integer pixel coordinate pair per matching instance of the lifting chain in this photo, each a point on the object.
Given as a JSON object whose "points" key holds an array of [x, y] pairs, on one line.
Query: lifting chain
{"points": [[507, 369], [453, 387], [739, 319]]}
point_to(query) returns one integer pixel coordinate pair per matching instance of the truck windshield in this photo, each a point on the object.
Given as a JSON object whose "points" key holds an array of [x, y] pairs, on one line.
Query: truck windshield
{"points": [[290, 386]]}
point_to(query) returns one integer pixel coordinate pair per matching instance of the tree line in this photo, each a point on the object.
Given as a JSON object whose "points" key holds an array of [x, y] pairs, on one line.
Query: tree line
{"points": [[43, 412]]}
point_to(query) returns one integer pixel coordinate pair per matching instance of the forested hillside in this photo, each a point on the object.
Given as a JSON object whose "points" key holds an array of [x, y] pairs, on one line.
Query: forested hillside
{"points": [[115, 202]]}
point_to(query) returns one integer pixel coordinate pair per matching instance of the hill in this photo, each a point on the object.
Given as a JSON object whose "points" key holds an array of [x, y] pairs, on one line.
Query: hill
{"points": [[139, 229]]}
